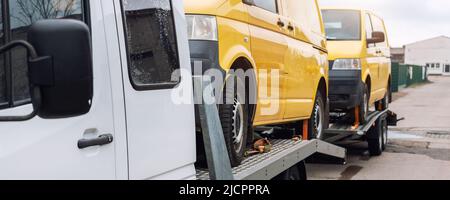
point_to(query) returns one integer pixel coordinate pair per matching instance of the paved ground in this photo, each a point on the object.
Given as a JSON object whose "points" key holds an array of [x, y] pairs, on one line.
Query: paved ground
{"points": [[419, 148]]}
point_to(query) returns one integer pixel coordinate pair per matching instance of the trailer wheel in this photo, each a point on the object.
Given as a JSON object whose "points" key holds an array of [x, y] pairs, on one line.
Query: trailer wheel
{"points": [[295, 173], [385, 133], [317, 123], [375, 138], [234, 115]]}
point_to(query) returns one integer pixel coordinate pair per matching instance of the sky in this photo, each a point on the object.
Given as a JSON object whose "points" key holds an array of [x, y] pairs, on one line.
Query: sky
{"points": [[407, 21]]}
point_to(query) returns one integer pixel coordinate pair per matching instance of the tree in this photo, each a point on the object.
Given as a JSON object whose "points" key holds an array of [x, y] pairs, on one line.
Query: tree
{"points": [[30, 11]]}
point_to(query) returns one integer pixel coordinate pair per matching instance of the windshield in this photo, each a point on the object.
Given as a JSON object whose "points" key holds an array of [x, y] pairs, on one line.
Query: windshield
{"points": [[342, 24]]}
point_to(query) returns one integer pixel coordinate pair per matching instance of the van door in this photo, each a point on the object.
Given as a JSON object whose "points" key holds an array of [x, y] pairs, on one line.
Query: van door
{"points": [[383, 55], [304, 60], [372, 58], [47, 148], [160, 129], [268, 46]]}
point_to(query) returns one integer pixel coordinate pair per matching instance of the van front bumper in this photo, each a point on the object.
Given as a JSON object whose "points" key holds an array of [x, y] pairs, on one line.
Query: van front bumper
{"points": [[346, 89]]}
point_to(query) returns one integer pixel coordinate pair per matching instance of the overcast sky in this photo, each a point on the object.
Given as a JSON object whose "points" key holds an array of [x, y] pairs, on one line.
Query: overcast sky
{"points": [[407, 21]]}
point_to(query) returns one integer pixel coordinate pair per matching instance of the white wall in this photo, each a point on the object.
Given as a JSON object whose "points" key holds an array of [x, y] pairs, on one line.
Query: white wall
{"points": [[436, 50]]}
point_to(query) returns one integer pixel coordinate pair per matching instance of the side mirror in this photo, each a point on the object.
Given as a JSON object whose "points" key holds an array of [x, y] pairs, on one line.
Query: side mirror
{"points": [[64, 78], [248, 2], [59, 69], [377, 37]]}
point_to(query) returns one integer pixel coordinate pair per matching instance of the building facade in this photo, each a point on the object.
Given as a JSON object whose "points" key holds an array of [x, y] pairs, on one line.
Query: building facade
{"points": [[433, 53], [398, 55]]}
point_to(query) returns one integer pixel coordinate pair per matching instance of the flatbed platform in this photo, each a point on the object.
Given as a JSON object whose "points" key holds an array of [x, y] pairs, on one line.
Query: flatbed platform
{"points": [[284, 155]]}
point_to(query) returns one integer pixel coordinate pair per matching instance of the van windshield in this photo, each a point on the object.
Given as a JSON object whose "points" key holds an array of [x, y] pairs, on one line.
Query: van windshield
{"points": [[342, 24]]}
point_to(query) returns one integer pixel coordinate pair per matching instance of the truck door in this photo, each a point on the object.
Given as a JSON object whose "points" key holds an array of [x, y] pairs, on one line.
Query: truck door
{"points": [[161, 131], [47, 148]]}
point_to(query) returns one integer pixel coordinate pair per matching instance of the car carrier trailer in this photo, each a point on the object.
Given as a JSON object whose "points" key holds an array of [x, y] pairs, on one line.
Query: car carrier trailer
{"points": [[286, 154]]}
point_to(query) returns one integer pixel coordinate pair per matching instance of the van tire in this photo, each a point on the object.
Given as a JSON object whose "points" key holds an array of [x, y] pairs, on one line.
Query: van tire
{"points": [[363, 105], [234, 118], [385, 101], [317, 123]]}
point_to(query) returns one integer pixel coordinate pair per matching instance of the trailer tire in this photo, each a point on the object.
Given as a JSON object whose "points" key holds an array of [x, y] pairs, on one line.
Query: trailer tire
{"points": [[385, 133], [317, 123], [375, 138], [295, 173], [234, 116]]}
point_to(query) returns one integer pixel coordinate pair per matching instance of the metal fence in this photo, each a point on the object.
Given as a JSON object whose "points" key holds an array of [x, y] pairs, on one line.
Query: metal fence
{"points": [[407, 75]]}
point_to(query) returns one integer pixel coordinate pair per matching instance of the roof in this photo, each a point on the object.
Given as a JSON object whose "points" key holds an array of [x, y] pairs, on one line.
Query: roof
{"points": [[430, 39]]}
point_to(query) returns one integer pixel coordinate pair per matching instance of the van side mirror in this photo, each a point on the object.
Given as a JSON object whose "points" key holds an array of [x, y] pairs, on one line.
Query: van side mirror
{"points": [[59, 69], [65, 80], [248, 2], [377, 37]]}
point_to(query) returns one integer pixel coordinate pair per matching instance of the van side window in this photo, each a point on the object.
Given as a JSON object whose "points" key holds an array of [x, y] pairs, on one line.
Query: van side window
{"points": [[378, 26], [152, 45], [369, 28], [21, 14], [270, 5], [304, 12]]}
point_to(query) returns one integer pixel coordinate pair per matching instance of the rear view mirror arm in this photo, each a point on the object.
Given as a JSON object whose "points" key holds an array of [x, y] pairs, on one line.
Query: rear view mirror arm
{"points": [[33, 58]]}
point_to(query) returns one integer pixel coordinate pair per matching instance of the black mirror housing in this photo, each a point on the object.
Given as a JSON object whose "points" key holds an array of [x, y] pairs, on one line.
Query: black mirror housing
{"points": [[248, 2], [377, 37], [61, 82]]}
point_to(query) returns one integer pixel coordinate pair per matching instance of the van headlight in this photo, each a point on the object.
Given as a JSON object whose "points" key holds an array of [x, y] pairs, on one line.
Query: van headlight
{"points": [[347, 64], [202, 27]]}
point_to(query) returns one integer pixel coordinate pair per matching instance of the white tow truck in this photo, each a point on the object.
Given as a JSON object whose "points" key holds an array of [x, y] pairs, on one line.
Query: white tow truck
{"points": [[97, 101]]}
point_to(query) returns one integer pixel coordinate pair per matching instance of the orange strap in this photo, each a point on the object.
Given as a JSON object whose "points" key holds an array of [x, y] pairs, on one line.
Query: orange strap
{"points": [[305, 129], [357, 120]]}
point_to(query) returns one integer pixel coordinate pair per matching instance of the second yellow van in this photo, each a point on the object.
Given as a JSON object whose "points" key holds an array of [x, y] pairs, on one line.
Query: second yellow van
{"points": [[360, 65], [264, 35]]}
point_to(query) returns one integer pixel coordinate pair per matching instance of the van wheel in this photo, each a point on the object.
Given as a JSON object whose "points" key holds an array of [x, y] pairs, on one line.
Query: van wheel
{"points": [[384, 103], [376, 138], [295, 173], [234, 118], [317, 123], [363, 105]]}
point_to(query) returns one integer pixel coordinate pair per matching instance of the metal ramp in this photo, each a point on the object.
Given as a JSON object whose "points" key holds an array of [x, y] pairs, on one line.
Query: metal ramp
{"points": [[341, 129], [284, 155]]}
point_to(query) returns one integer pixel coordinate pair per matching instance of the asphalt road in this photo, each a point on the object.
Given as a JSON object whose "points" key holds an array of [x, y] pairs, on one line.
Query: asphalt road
{"points": [[419, 148]]}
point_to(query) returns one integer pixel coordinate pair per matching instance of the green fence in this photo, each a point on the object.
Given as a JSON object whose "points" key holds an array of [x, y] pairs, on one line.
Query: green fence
{"points": [[406, 75]]}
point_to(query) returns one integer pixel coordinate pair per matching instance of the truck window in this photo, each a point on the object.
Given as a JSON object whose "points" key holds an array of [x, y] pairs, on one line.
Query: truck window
{"points": [[304, 12], [342, 24], [269, 5], [21, 14], [369, 28], [152, 46], [378, 26]]}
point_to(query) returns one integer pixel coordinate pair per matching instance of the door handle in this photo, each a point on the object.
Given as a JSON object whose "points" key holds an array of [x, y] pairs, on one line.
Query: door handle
{"points": [[290, 27], [100, 141], [280, 23]]}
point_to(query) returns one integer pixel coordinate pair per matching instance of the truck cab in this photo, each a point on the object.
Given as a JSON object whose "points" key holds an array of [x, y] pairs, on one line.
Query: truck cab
{"points": [[87, 91]]}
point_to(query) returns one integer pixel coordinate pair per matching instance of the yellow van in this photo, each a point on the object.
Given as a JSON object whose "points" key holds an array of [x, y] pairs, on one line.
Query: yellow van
{"points": [[286, 36], [359, 57]]}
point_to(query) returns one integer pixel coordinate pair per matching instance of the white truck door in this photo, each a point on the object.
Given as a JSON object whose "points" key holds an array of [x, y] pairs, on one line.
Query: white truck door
{"points": [[46, 148], [161, 133]]}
